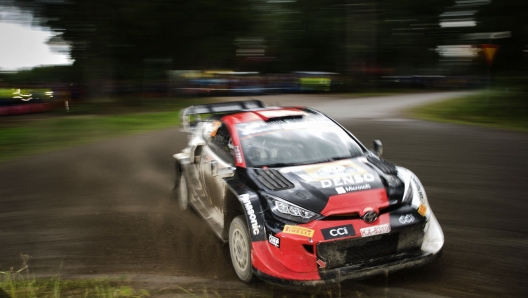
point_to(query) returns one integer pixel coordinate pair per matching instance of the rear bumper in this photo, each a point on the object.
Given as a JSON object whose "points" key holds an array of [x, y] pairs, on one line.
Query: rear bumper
{"points": [[353, 272]]}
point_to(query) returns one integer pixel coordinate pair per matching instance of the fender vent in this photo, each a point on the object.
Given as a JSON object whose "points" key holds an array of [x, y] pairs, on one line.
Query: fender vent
{"points": [[384, 166], [273, 179], [388, 173]]}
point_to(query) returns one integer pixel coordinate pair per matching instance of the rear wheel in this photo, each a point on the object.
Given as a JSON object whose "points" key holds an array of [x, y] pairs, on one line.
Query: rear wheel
{"points": [[182, 193], [240, 248]]}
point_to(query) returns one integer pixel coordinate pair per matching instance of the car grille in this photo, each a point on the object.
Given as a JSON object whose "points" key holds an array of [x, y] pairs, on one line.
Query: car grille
{"points": [[369, 250], [273, 179]]}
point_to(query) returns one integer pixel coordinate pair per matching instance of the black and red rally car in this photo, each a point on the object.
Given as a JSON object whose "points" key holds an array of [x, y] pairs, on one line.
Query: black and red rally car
{"points": [[298, 198]]}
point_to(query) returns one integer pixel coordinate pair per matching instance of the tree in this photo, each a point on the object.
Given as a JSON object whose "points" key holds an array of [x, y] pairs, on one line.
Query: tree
{"points": [[113, 38]]}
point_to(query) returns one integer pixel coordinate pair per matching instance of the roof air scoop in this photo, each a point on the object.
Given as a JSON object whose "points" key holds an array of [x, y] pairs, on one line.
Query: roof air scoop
{"points": [[191, 115], [277, 115]]}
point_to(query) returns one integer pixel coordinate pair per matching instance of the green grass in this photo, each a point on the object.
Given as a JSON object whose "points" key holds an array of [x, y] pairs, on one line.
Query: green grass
{"points": [[89, 122], [381, 92], [50, 134], [498, 109], [22, 283]]}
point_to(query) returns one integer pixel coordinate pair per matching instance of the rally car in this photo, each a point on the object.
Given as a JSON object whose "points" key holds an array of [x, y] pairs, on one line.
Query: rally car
{"points": [[298, 198]]}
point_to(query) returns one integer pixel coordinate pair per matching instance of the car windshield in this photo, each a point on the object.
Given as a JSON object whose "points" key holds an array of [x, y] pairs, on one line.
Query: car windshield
{"points": [[295, 142]]}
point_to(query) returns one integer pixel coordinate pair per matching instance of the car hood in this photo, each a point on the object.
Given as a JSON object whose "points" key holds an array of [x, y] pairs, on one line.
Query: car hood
{"points": [[349, 186]]}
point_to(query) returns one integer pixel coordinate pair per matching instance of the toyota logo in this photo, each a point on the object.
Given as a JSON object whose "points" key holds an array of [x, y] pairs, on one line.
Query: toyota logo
{"points": [[370, 216]]}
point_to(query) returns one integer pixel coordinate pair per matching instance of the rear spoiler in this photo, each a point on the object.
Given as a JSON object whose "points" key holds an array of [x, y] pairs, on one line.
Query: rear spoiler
{"points": [[191, 115]]}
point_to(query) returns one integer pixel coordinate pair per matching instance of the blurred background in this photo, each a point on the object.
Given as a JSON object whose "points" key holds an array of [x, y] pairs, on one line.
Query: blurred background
{"points": [[79, 71], [163, 48]]}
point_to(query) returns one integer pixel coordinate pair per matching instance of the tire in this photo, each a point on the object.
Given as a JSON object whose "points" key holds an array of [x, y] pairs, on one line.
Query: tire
{"points": [[182, 193], [240, 248]]}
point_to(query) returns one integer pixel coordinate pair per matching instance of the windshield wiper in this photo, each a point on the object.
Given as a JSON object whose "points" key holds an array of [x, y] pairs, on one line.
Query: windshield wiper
{"points": [[278, 164], [339, 157], [282, 164], [333, 159]]}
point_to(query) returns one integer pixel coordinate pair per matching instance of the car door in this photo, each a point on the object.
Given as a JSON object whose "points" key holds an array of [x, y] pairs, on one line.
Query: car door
{"points": [[217, 155]]}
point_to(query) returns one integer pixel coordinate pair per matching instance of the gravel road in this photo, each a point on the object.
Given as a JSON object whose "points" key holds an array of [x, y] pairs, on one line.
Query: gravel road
{"points": [[106, 209]]}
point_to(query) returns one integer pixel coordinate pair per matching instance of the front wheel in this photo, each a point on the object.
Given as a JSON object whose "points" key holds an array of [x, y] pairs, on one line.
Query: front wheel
{"points": [[240, 248]]}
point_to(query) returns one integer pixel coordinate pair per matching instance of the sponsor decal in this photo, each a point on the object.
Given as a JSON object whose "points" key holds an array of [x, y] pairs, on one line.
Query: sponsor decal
{"points": [[245, 129], [419, 189], [255, 227], [254, 128], [405, 219], [345, 189], [238, 155], [298, 231], [338, 232], [338, 176], [275, 241], [375, 230], [422, 210], [335, 171], [347, 180], [321, 263]]}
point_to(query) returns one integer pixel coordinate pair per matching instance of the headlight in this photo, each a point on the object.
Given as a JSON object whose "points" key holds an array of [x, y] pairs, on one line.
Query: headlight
{"points": [[289, 211]]}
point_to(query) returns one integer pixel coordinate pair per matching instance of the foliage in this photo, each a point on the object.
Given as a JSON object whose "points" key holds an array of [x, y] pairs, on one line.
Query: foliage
{"points": [[138, 40], [40, 75], [119, 38], [507, 16]]}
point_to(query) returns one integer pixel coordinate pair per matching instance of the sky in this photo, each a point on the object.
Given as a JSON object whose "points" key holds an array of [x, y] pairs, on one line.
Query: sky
{"points": [[23, 45]]}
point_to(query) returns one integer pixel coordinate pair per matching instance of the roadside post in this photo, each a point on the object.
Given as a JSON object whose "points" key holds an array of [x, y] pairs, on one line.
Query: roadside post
{"points": [[489, 52]]}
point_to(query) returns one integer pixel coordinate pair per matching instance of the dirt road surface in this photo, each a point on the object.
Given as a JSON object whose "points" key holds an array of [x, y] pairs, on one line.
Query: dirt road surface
{"points": [[106, 209]]}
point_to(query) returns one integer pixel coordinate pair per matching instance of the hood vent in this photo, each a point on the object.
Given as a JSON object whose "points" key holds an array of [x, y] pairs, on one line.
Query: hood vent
{"points": [[273, 179], [388, 173], [384, 166]]}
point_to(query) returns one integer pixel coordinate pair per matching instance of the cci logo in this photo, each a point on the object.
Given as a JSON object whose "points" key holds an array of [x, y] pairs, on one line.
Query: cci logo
{"points": [[338, 232], [406, 219]]}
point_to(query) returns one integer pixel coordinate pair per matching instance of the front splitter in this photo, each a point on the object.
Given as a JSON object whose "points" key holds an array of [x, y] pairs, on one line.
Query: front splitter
{"points": [[352, 272]]}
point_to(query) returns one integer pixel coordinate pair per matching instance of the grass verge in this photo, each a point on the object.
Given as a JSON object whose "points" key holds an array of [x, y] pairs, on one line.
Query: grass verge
{"points": [[492, 109], [88, 122], [55, 133], [22, 283]]}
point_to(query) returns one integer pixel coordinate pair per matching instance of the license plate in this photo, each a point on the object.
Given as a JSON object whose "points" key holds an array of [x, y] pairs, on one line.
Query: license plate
{"points": [[375, 230]]}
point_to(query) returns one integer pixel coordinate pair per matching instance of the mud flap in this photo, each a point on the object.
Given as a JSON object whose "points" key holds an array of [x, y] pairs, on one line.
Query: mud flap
{"points": [[192, 177]]}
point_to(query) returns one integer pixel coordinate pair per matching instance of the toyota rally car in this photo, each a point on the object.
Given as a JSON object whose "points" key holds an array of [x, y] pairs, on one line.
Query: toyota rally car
{"points": [[298, 198]]}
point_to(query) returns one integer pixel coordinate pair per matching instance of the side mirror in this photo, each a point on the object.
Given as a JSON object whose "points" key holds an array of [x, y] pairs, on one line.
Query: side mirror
{"points": [[196, 152], [214, 168], [378, 148], [226, 172]]}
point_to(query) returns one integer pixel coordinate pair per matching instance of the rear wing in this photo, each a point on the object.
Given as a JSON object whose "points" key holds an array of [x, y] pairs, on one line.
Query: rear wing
{"points": [[191, 115]]}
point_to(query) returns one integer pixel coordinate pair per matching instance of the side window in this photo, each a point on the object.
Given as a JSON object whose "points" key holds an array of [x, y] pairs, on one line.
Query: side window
{"points": [[221, 144]]}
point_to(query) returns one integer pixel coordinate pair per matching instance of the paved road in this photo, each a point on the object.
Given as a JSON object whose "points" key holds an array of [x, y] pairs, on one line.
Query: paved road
{"points": [[105, 209]]}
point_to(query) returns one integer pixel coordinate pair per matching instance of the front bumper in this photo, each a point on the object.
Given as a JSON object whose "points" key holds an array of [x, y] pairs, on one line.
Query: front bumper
{"points": [[353, 272], [406, 246]]}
